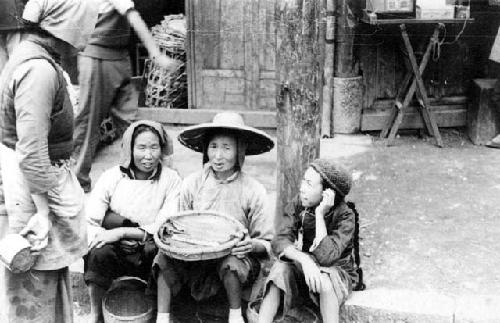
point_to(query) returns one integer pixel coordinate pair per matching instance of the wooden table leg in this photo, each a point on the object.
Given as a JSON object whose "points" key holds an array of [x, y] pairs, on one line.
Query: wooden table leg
{"points": [[397, 104], [426, 113], [427, 125], [417, 83]]}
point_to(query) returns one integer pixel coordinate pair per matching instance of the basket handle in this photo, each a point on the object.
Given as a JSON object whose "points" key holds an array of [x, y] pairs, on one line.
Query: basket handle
{"points": [[115, 283]]}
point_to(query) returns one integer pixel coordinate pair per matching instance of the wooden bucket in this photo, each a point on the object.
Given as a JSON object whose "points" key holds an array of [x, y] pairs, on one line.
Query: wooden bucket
{"points": [[125, 301], [15, 253], [295, 315]]}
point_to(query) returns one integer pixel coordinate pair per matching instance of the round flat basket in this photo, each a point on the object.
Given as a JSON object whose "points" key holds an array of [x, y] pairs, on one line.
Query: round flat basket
{"points": [[125, 301], [199, 235], [295, 315]]}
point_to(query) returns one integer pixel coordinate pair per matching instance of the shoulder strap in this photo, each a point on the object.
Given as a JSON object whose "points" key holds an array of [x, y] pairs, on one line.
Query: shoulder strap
{"points": [[357, 259]]}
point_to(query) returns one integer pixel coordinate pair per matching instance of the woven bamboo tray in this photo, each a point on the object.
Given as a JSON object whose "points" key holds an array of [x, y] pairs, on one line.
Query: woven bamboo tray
{"points": [[199, 235]]}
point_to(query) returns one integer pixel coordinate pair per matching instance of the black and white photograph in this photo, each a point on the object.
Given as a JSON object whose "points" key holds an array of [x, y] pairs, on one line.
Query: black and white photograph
{"points": [[249, 161]]}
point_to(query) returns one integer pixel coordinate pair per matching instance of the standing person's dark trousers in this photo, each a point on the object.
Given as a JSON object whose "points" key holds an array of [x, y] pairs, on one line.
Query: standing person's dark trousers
{"points": [[105, 89]]}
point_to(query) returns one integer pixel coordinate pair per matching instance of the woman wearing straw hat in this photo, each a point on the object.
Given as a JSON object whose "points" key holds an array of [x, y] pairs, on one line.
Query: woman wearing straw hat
{"points": [[221, 186], [44, 200]]}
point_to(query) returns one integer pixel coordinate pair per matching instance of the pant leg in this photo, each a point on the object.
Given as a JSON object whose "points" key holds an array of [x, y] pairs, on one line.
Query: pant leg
{"points": [[39, 296], [103, 265], [96, 97], [288, 277], [125, 103]]}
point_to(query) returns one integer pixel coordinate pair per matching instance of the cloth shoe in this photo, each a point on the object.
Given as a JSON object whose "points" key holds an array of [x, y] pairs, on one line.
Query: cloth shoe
{"points": [[235, 316], [494, 143]]}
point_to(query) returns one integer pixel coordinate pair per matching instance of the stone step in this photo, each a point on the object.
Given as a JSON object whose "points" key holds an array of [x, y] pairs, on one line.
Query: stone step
{"points": [[370, 306], [391, 306]]}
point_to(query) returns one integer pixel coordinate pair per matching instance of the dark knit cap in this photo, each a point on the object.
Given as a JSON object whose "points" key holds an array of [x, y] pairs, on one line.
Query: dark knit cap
{"points": [[337, 177]]}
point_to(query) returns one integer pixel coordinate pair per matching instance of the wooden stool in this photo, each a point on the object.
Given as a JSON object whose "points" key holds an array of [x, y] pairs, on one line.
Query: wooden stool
{"points": [[482, 119]]}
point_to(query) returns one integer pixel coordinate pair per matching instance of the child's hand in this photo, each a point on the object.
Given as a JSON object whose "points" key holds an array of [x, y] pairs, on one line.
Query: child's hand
{"points": [[312, 275], [327, 202]]}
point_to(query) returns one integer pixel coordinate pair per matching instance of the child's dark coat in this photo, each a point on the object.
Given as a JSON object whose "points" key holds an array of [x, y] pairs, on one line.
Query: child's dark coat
{"points": [[335, 250]]}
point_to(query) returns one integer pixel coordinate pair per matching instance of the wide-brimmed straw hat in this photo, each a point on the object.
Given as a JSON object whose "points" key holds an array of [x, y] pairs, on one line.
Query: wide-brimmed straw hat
{"points": [[257, 141]]}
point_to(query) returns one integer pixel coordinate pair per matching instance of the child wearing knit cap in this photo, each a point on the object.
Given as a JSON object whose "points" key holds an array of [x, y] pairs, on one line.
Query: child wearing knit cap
{"points": [[314, 245]]}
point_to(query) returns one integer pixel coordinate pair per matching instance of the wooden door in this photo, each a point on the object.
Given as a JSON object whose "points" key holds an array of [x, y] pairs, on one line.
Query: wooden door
{"points": [[231, 54]]}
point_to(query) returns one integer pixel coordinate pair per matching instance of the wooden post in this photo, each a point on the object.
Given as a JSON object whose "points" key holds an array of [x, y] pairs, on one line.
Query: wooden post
{"points": [[298, 88], [329, 57], [345, 41]]}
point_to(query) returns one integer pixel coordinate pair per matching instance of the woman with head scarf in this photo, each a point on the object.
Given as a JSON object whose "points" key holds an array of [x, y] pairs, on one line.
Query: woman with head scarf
{"points": [[221, 186], [44, 201], [126, 207]]}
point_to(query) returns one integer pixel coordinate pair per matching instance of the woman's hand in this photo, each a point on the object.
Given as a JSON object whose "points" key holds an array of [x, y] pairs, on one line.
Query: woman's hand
{"points": [[326, 203], [312, 274], [242, 248], [129, 246], [37, 230], [105, 237]]}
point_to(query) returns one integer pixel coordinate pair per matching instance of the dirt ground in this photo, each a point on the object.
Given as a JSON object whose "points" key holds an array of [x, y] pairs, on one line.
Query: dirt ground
{"points": [[430, 217]]}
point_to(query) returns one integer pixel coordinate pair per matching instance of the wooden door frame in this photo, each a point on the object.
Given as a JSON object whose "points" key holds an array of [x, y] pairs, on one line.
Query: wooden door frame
{"points": [[190, 55]]}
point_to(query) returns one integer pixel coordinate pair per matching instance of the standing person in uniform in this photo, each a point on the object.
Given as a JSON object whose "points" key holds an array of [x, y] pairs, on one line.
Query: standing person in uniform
{"points": [[105, 79], [44, 199]]}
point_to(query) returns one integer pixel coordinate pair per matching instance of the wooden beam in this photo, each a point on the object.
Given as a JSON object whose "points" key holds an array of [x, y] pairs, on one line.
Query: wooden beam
{"points": [[445, 115], [344, 40], [383, 104], [259, 119], [328, 69]]}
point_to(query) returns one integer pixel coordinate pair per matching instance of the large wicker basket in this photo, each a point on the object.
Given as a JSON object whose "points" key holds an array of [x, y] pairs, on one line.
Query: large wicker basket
{"points": [[168, 88], [199, 235]]}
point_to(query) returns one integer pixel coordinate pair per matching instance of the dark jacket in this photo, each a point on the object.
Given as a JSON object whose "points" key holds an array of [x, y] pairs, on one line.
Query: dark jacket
{"points": [[39, 126], [336, 249]]}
